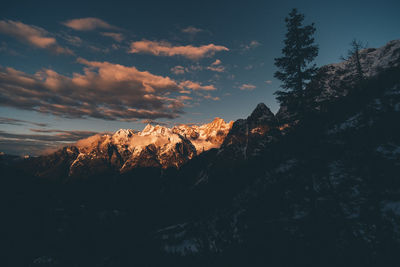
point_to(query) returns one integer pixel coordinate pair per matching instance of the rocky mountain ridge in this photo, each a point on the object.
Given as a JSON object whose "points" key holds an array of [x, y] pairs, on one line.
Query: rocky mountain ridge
{"points": [[126, 149]]}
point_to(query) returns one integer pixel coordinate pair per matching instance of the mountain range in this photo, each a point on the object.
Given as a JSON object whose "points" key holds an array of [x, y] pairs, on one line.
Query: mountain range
{"points": [[126, 149]]}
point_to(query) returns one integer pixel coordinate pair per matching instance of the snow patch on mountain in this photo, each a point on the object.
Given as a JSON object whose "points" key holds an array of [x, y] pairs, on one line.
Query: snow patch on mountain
{"points": [[207, 136]]}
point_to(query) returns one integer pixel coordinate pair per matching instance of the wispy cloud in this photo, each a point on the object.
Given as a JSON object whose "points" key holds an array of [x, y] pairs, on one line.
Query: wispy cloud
{"points": [[216, 69], [73, 40], [177, 70], [40, 141], [216, 62], [184, 97], [196, 67], [215, 98], [32, 35], [59, 135], [253, 44], [192, 30], [88, 24], [25, 146], [216, 66], [247, 86], [12, 121], [167, 49], [119, 37]]}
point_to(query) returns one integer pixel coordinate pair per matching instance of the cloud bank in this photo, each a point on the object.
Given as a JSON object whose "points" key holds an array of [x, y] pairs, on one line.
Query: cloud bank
{"points": [[104, 90]]}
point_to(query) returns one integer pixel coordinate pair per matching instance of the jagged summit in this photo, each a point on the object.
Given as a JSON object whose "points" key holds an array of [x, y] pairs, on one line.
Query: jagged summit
{"points": [[216, 121], [124, 133], [262, 114], [261, 106], [154, 130], [249, 136]]}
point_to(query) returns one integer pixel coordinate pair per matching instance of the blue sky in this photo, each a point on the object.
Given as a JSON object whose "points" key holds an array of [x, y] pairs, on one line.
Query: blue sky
{"points": [[71, 68]]}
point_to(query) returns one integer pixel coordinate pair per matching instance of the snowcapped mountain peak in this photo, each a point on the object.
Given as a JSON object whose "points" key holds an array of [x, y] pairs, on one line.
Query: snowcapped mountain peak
{"points": [[124, 133], [148, 128], [154, 146], [217, 120], [217, 124], [155, 130], [206, 136]]}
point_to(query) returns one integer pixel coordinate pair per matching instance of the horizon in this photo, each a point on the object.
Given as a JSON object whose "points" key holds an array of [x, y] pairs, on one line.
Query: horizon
{"points": [[169, 65]]}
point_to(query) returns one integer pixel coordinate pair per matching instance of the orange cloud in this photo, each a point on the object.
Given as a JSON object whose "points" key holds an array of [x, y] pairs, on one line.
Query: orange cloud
{"points": [[197, 86], [216, 98], [178, 70], [116, 36], [191, 30], [247, 86], [216, 66], [216, 62], [32, 35], [216, 69], [166, 49], [253, 44], [185, 97], [88, 24]]}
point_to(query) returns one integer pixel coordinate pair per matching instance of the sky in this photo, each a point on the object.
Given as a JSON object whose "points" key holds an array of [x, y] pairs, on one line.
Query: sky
{"points": [[70, 69]]}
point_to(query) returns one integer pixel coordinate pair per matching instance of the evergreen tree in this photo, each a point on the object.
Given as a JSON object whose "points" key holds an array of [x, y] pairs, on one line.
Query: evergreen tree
{"points": [[353, 56], [294, 66]]}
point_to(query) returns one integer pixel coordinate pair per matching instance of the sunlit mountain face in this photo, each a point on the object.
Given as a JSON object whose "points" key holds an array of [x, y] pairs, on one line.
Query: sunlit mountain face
{"points": [[126, 149], [216, 133]]}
